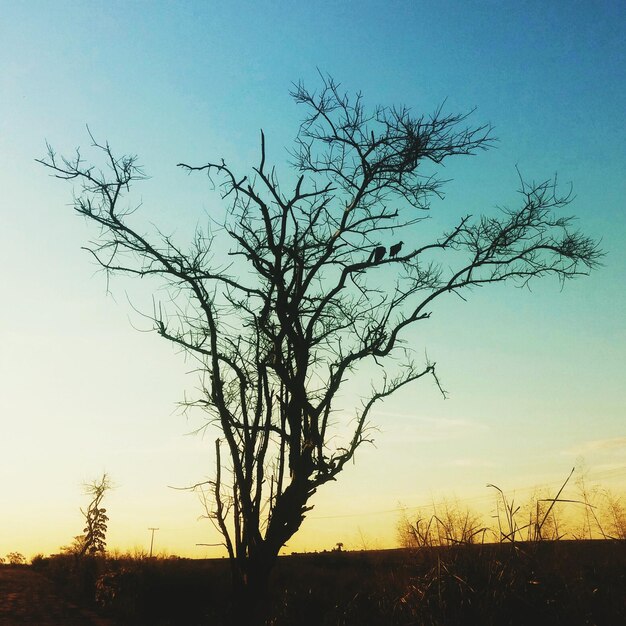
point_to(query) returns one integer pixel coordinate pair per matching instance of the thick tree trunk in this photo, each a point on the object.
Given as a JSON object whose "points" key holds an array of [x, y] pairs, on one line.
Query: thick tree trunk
{"points": [[251, 574], [251, 600]]}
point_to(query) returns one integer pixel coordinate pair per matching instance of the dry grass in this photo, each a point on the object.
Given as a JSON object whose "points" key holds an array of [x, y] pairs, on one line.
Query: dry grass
{"points": [[455, 571], [514, 584], [574, 511]]}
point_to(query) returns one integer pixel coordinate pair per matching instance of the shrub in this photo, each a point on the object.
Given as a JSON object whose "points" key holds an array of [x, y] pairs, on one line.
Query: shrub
{"points": [[16, 558]]}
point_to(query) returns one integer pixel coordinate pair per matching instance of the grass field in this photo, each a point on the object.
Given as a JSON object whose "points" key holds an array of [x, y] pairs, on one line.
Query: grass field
{"points": [[555, 582]]}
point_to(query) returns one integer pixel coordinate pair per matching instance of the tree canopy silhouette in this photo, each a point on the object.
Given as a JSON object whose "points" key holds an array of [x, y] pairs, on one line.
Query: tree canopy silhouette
{"points": [[299, 309]]}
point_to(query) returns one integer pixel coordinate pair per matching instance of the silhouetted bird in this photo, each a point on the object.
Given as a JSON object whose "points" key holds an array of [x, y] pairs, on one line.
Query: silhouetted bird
{"points": [[378, 253], [395, 249]]}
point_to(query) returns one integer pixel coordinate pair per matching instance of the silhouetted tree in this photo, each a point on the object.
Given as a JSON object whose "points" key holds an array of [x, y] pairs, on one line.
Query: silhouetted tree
{"points": [[94, 539], [299, 308], [15, 558]]}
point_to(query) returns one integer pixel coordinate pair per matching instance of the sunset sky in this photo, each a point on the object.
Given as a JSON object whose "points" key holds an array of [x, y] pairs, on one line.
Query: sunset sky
{"points": [[536, 378]]}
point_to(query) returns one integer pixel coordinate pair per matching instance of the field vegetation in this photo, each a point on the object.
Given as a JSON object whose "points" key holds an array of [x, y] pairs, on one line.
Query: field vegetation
{"points": [[557, 582], [550, 560]]}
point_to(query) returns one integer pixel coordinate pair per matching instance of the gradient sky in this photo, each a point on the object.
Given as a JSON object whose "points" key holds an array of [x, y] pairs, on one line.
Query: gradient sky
{"points": [[536, 378]]}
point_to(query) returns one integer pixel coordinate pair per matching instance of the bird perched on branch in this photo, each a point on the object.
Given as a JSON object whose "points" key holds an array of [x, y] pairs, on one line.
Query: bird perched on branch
{"points": [[393, 251], [377, 254]]}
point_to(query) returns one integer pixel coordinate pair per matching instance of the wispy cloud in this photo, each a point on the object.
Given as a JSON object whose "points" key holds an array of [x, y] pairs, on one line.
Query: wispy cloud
{"points": [[610, 445], [471, 463], [421, 429]]}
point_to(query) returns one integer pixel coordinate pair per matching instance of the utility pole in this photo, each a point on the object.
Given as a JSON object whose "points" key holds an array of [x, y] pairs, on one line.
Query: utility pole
{"points": [[152, 540]]}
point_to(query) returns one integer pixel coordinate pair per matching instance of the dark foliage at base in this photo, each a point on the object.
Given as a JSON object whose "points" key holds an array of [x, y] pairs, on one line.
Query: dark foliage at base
{"points": [[155, 592], [561, 583], [558, 583]]}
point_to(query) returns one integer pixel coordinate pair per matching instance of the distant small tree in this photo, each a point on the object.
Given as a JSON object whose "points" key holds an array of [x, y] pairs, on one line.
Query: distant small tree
{"points": [[615, 514], [589, 495], [16, 558], [94, 539], [311, 289], [449, 524]]}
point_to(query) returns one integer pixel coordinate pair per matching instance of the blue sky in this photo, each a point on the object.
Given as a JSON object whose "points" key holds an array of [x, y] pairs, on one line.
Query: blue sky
{"points": [[536, 379]]}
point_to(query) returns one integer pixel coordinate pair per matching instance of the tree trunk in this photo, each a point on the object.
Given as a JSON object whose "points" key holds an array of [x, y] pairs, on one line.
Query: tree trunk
{"points": [[251, 601], [251, 574]]}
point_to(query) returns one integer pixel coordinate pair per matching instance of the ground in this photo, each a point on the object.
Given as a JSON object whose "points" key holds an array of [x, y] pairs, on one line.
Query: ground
{"points": [[26, 597], [562, 583]]}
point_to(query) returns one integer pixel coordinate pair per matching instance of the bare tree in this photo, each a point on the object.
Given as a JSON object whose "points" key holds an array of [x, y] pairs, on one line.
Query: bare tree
{"points": [[308, 299]]}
